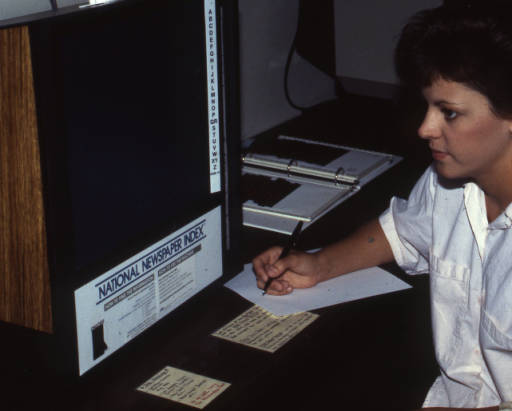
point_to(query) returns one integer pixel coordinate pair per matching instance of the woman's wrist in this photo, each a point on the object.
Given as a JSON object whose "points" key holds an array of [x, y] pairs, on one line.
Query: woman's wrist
{"points": [[326, 268]]}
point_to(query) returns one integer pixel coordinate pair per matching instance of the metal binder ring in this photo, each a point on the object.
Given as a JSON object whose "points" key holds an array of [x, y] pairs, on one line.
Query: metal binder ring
{"points": [[289, 166], [339, 171]]}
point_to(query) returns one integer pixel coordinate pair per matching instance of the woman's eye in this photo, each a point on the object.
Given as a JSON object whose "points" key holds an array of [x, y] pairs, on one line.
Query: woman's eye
{"points": [[449, 114]]}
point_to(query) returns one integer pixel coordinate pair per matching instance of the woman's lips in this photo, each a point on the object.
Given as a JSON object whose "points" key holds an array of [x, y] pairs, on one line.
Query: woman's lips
{"points": [[439, 155]]}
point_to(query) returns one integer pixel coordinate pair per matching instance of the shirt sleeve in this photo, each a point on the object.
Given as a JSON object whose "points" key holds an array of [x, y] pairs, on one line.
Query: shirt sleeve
{"points": [[407, 225]]}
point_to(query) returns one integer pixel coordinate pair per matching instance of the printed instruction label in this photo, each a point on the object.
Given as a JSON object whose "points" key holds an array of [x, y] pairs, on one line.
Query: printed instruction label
{"points": [[121, 303], [212, 87], [184, 387]]}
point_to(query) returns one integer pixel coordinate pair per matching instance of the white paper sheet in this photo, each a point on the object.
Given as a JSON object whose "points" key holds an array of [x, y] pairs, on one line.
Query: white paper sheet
{"points": [[348, 287]]}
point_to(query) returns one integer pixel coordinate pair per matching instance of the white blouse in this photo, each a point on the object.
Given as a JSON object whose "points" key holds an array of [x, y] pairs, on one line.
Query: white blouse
{"points": [[444, 230]]}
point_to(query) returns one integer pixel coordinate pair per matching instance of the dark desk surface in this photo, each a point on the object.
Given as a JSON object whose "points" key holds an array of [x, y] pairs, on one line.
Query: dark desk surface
{"points": [[370, 354]]}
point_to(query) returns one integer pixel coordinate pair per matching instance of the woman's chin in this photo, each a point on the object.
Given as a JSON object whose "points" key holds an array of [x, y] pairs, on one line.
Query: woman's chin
{"points": [[446, 171]]}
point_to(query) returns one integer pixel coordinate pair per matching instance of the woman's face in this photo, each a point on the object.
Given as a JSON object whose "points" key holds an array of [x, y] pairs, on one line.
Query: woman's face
{"points": [[466, 138]]}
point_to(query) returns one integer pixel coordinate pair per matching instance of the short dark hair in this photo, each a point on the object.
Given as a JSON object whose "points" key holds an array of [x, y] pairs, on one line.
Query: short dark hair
{"points": [[469, 42]]}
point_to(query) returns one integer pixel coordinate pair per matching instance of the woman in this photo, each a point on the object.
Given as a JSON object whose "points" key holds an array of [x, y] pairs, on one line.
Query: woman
{"points": [[457, 222]]}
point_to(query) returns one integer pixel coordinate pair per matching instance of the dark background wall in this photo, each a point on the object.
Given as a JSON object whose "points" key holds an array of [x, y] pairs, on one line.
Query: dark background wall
{"points": [[364, 35]]}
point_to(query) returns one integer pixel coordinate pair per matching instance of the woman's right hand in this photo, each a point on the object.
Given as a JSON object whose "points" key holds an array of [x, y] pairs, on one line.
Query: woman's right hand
{"points": [[296, 270]]}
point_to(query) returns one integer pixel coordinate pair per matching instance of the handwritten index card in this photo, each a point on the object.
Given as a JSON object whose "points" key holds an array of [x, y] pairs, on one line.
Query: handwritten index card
{"points": [[260, 329], [184, 387]]}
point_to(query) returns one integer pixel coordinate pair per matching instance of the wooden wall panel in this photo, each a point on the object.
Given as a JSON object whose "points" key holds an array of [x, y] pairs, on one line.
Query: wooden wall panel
{"points": [[24, 275]]}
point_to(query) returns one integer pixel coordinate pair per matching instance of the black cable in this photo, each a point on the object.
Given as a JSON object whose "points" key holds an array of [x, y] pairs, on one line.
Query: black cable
{"points": [[287, 70], [54, 5], [338, 86]]}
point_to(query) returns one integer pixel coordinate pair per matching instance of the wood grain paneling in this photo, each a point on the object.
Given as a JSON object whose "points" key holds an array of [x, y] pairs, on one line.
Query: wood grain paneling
{"points": [[24, 275]]}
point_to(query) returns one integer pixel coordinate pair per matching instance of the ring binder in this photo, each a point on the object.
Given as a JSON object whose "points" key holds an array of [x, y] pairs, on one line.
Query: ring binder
{"points": [[322, 184]]}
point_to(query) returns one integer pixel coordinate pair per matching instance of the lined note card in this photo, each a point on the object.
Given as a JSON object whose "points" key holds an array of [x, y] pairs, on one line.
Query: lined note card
{"points": [[184, 387], [261, 329]]}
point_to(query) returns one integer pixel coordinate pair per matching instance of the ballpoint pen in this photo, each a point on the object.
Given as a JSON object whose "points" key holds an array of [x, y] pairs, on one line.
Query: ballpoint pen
{"points": [[286, 250]]}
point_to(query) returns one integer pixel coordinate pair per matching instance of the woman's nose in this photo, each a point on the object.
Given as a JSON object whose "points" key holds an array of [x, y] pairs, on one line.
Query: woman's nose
{"points": [[429, 128]]}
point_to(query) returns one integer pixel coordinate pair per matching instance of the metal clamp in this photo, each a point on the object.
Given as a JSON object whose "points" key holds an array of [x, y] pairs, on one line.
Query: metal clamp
{"points": [[289, 166], [339, 171]]}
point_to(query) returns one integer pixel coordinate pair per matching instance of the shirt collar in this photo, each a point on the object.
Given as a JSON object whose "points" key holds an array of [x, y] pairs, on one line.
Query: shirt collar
{"points": [[474, 195], [508, 215]]}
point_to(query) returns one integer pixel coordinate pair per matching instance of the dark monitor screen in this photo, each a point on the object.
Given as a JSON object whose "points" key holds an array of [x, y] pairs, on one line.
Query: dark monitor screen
{"points": [[123, 92]]}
